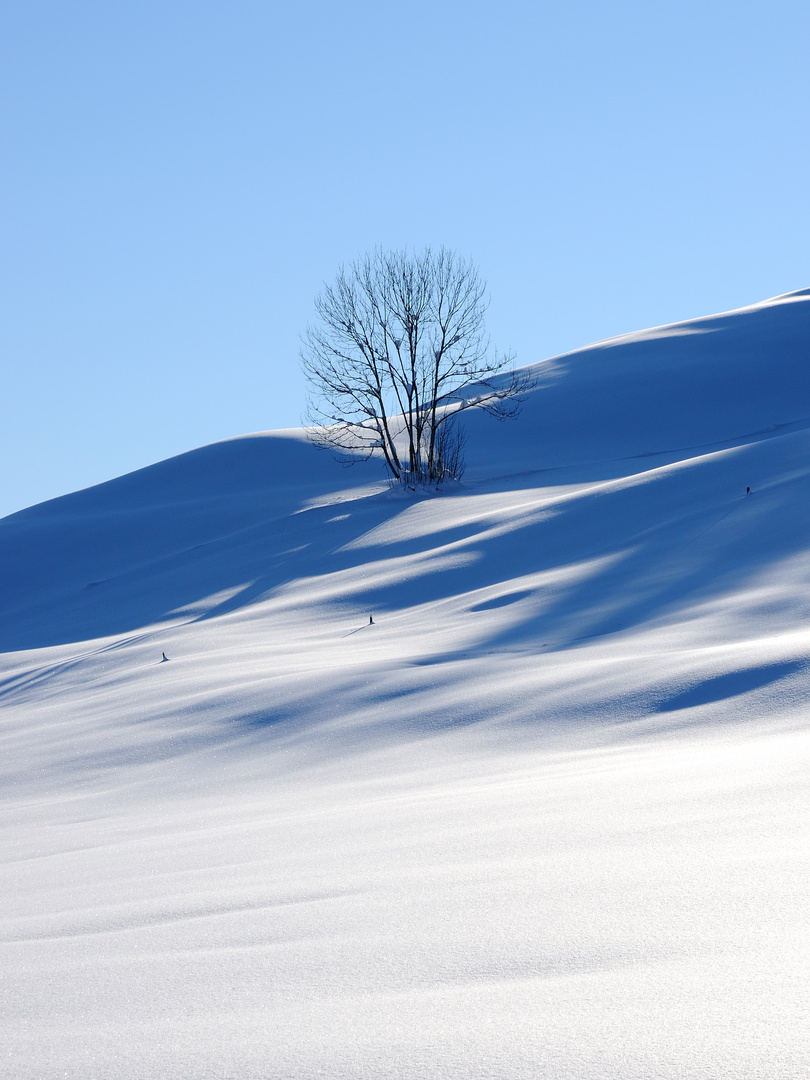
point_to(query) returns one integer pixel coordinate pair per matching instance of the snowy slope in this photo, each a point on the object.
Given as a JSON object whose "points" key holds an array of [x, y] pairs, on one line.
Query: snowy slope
{"points": [[546, 816]]}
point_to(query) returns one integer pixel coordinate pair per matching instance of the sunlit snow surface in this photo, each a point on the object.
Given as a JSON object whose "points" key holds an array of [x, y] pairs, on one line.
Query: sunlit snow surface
{"points": [[547, 816]]}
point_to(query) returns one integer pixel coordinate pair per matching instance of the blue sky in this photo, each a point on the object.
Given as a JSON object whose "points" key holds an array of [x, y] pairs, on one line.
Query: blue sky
{"points": [[178, 179]]}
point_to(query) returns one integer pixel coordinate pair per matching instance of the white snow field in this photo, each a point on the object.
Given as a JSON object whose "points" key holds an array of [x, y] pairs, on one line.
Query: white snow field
{"points": [[547, 816]]}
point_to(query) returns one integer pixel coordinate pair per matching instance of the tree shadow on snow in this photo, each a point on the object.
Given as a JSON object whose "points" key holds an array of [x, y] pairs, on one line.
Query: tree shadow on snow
{"points": [[161, 549], [733, 684]]}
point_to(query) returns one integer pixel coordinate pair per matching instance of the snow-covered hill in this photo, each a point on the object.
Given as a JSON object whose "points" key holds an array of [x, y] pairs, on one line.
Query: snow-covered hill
{"points": [[545, 816]]}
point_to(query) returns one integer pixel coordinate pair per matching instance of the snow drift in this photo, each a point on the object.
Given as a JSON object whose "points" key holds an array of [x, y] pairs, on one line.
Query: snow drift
{"points": [[545, 816]]}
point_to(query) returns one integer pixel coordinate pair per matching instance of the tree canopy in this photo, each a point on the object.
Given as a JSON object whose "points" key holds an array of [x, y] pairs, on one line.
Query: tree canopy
{"points": [[399, 351]]}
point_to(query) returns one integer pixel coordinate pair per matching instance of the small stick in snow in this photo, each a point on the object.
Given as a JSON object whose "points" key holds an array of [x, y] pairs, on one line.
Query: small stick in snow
{"points": [[370, 620], [748, 491], [165, 657]]}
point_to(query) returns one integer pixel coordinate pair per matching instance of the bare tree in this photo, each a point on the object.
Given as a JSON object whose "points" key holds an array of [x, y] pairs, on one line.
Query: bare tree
{"points": [[399, 352]]}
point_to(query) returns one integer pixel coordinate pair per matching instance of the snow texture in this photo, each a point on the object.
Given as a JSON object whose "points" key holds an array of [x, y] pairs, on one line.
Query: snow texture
{"points": [[546, 816]]}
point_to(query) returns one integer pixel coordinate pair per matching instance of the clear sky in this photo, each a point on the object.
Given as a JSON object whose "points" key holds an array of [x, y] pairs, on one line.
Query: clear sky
{"points": [[177, 179]]}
